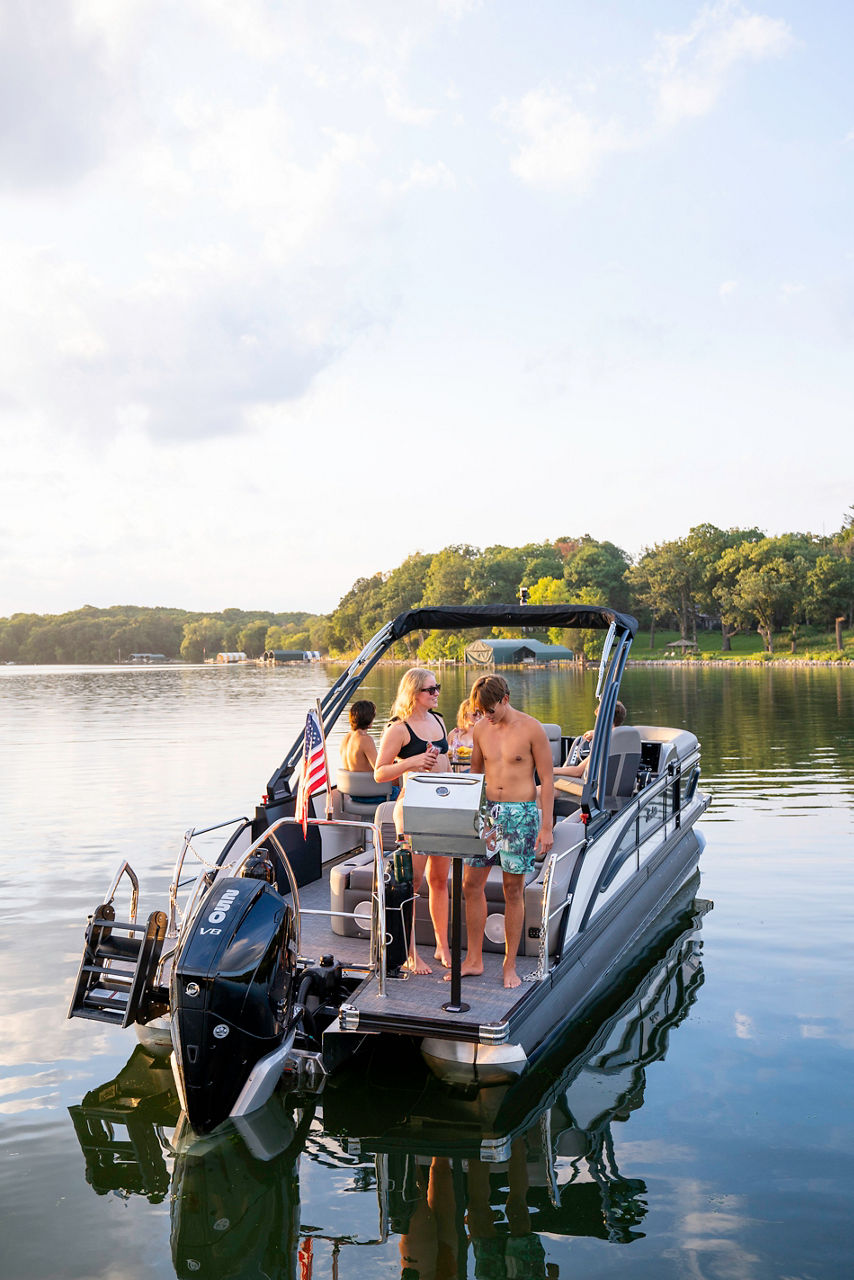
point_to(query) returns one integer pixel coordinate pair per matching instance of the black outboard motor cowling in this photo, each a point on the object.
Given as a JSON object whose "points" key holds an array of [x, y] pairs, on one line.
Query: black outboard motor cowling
{"points": [[230, 994]]}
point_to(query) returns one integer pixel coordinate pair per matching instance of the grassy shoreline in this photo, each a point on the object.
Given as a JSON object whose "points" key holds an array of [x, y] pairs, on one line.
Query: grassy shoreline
{"points": [[814, 648]]}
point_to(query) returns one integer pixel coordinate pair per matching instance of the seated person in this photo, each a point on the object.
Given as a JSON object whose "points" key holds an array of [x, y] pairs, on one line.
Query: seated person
{"points": [[460, 739], [579, 770], [358, 749]]}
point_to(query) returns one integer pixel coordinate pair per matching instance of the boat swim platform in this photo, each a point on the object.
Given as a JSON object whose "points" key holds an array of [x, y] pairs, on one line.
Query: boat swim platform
{"points": [[417, 999], [413, 1001]]}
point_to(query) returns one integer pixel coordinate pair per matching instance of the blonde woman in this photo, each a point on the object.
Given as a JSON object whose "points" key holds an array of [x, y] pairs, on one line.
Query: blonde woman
{"points": [[415, 741], [460, 739]]}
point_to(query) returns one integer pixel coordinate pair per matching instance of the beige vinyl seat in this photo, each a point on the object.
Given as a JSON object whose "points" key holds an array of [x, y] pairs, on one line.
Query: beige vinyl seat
{"points": [[351, 882], [351, 783]]}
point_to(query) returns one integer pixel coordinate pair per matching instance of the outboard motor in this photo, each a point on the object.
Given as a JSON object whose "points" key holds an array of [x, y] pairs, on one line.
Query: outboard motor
{"points": [[231, 995]]}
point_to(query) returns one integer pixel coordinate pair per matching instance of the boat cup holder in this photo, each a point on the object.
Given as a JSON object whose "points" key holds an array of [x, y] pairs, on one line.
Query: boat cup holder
{"points": [[494, 928]]}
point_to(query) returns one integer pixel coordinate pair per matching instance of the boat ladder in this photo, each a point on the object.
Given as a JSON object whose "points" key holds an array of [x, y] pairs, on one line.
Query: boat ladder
{"points": [[116, 981]]}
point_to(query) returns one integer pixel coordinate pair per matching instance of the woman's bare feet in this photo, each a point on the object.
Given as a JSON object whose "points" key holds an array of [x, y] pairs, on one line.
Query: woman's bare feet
{"points": [[416, 965], [468, 969], [511, 977], [443, 955]]}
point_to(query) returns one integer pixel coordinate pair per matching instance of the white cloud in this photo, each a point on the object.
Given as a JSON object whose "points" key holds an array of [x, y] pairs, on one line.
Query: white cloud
{"points": [[559, 144], [562, 145], [428, 176], [727, 288], [691, 68], [790, 290]]}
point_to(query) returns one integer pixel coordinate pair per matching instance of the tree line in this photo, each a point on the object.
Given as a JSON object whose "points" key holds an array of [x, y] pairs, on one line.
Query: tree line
{"points": [[732, 579], [112, 635]]}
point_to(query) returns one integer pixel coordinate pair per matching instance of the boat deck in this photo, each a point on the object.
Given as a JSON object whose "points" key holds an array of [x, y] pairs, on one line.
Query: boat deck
{"points": [[412, 998]]}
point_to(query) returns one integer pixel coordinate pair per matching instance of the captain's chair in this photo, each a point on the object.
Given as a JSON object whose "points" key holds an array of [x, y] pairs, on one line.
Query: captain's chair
{"points": [[554, 735], [623, 763], [360, 794]]}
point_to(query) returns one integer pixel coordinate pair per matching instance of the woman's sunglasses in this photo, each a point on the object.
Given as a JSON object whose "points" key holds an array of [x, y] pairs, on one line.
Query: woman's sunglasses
{"points": [[433, 688]]}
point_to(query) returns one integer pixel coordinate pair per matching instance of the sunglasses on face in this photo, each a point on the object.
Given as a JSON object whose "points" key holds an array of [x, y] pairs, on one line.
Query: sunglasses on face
{"points": [[433, 688]]}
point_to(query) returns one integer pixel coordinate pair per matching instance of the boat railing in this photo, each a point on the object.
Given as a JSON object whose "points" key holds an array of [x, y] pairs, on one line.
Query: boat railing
{"points": [[549, 913], [379, 938], [199, 882], [668, 786], [644, 817], [126, 870]]}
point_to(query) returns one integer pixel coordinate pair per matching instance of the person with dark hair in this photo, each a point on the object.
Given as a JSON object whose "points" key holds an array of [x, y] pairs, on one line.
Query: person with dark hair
{"points": [[510, 748], [358, 749]]}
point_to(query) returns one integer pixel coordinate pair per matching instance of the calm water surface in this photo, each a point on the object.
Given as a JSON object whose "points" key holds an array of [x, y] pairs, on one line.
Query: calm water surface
{"points": [[700, 1127]]}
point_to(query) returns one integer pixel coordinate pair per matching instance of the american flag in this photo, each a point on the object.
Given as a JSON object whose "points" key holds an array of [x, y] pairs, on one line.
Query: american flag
{"points": [[315, 775]]}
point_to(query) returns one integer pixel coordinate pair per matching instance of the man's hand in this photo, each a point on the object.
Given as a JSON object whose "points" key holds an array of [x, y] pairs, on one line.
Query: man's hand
{"points": [[543, 843]]}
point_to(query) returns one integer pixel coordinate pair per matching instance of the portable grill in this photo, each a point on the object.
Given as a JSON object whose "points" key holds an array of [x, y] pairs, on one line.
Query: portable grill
{"points": [[443, 813]]}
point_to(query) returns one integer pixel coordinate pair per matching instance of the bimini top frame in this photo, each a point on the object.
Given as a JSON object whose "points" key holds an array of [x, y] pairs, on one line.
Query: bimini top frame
{"points": [[621, 628]]}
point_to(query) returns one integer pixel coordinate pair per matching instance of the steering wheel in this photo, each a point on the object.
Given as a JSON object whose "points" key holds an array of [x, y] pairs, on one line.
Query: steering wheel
{"points": [[579, 750]]}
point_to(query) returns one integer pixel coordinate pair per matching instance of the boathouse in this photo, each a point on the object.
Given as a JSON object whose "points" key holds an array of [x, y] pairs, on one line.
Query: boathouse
{"points": [[276, 656], [491, 652]]}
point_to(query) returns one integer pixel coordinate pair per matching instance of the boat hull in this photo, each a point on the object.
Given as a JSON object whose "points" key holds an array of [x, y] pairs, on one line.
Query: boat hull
{"points": [[596, 959]]}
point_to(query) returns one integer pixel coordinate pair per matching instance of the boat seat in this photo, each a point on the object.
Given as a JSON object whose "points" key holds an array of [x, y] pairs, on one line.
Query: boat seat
{"points": [[360, 793], [351, 881], [623, 764], [554, 734]]}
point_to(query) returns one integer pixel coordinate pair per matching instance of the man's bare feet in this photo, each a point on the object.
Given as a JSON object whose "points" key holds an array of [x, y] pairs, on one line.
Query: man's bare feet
{"points": [[468, 969], [511, 977], [416, 965]]}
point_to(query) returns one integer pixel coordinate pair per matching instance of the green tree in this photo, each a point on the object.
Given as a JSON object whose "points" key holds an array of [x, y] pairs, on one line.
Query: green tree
{"points": [[766, 583], [704, 546], [602, 567], [495, 576], [202, 639], [830, 589], [251, 638], [542, 560], [446, 580], [664, 582], [358, 615]]}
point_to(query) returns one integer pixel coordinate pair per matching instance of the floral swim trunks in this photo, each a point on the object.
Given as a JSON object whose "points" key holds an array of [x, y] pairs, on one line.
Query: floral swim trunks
{"points": [[510, 833]]}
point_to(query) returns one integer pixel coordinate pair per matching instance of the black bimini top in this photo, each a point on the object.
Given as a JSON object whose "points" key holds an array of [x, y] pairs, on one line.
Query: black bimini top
{"points": [[451, 617]]}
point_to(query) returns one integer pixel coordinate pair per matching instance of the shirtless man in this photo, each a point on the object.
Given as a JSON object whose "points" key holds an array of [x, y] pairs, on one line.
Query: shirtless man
{"points": [[358, 749], [508, 747]]}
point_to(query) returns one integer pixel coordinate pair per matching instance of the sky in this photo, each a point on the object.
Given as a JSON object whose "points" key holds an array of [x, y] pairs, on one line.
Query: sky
{"points": [[293, 290]]}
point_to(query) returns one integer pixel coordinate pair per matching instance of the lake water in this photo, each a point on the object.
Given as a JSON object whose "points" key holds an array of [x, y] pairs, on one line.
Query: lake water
{"points": [[704, 1129]]}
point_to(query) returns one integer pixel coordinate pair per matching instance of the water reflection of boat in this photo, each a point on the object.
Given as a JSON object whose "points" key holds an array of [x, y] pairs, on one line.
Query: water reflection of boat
{"points": [[554, 1124], [281, 956], [502, 1164]]}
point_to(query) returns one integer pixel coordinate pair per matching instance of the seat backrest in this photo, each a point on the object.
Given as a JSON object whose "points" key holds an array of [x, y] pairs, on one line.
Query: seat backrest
{"points": [[384, 818], [623, 762], [555, 737], [353, 783]]}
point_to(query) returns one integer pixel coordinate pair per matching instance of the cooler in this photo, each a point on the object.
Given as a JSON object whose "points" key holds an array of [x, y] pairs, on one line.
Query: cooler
{"points": [[444, 813]]}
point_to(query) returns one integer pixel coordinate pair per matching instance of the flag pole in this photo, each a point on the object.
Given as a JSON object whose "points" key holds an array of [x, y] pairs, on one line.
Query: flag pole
{"points": [[325, 760]]}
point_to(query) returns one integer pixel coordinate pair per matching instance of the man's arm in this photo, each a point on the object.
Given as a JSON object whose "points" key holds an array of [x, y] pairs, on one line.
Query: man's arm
{"points": [[570, 770], [542, 754], [476, 752]]}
